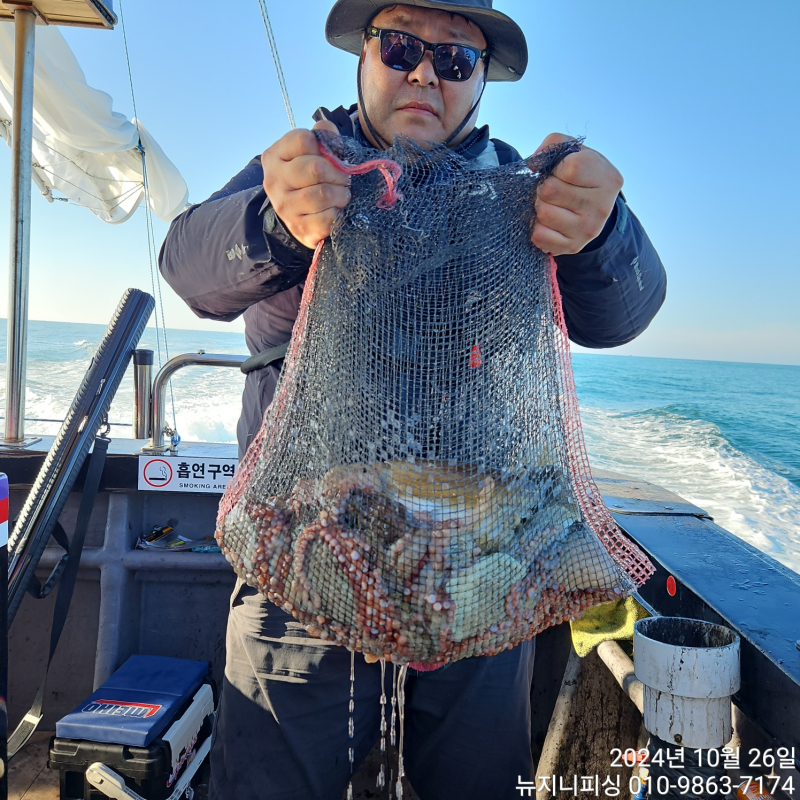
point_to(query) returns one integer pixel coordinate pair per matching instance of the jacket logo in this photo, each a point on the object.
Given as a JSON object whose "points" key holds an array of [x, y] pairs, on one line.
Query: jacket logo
{"points": [[638, 273], [119, 708], [237, 251]]}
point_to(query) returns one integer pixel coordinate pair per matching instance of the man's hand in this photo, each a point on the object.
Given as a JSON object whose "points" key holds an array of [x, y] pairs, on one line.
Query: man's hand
{"points": [[575, 202], [306, 191]]}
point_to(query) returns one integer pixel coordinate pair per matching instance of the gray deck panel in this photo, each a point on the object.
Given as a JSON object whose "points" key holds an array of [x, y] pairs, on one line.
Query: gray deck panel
{"points": [[723, 579]]}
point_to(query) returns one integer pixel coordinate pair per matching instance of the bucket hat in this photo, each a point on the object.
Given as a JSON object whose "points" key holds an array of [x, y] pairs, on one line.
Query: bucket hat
{"points": [[508, 50]]}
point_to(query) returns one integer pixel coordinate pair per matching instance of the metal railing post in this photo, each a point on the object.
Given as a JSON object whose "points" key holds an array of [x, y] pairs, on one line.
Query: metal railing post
{"points": [[158, 402], [142, 386], [20, 244]]}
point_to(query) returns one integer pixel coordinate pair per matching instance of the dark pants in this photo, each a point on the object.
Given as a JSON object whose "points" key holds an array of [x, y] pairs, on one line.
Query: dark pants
{"points": [[282, 726]]}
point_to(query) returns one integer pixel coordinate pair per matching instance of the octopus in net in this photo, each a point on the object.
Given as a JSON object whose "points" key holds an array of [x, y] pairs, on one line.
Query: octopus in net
{"points": [[426, 561]]}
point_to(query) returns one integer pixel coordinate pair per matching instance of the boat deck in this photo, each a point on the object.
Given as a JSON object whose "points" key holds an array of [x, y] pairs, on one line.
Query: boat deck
{"points": [[130, 601], [29, 777]]}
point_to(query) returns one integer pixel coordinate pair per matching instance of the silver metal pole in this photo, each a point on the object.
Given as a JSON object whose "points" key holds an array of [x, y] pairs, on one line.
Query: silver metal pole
{"points": [[142, 384], [159, 396], [22, 135]]}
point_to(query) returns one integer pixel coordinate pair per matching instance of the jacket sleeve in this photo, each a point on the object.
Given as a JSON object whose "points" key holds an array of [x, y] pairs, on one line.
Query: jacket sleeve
{"points": [[231, 251], [613, 288]]}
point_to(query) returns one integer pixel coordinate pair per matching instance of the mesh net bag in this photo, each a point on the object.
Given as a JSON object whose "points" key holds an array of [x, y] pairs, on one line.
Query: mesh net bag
{"points": [[419, 490]]}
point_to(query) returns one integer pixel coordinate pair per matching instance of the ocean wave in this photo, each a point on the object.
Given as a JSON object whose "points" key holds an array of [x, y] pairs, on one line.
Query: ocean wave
{"points": [[691, 457], [207, 403]]}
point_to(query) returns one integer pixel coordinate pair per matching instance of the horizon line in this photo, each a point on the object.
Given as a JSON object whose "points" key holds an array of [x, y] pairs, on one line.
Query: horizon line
{"points": [[604, 352]]}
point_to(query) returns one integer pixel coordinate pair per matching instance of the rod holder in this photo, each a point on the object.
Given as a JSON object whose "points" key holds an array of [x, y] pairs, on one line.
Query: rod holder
{"points": [[142, 388], [689, 669], [159, 395]]}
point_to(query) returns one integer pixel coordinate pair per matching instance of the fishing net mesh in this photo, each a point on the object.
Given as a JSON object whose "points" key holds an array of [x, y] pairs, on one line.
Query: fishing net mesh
{"points": [[419, 490]]}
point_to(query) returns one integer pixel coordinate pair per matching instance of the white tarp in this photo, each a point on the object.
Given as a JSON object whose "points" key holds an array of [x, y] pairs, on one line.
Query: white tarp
{"points": [[81, 147]]}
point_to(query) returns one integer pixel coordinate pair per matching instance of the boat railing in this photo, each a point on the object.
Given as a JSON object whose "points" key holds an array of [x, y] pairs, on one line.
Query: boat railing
{"points": [[59, 421], [157, 416], [149, 395]]}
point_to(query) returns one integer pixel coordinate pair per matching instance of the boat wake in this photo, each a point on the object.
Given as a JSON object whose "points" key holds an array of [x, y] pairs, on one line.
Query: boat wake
{"points": [[207, 401], [692, 458]]}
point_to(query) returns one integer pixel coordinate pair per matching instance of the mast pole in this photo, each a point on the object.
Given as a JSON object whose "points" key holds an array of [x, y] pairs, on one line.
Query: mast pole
{"points": [[22, 136]]}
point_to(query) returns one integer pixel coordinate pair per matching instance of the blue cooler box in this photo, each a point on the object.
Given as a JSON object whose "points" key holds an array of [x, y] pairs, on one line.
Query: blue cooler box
{"points": [[145, 722]]}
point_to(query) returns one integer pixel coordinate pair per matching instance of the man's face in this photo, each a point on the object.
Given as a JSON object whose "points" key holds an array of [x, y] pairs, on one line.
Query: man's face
{"points": [[419, 104]]}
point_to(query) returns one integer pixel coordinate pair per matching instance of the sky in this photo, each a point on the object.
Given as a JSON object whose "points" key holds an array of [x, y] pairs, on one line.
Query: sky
{"points": [[694, 102]]}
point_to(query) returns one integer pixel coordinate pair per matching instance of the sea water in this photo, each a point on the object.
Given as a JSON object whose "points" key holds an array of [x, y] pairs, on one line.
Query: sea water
{"points": [[725, 436]]}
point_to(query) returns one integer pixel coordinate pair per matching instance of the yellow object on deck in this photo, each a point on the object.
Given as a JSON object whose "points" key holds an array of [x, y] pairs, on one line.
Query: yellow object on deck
{"points": [[607, 621]]}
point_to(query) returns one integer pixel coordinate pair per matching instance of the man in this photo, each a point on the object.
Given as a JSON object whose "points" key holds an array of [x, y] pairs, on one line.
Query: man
{"points": [[282, 728]]}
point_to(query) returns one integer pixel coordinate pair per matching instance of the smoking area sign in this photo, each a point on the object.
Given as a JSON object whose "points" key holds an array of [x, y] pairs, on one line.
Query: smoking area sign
{"points": [[165, 473]]}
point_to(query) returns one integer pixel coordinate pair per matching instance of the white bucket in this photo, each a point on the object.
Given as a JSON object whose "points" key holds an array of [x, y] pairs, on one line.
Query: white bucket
{"points": [[689, 669]]}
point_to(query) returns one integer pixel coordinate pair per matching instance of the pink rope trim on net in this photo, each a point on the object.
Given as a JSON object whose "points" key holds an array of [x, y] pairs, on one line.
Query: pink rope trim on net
{"points": [[599, 518], [390, 170]]}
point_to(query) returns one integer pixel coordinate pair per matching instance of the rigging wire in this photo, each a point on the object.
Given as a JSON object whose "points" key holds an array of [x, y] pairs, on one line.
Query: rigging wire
{"points": [[121, 198], [108, 204], [273, 46], [155, 277]]}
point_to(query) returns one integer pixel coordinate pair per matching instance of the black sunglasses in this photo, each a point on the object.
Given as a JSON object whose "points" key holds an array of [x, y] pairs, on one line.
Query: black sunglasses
{"points": [[451, 62]]}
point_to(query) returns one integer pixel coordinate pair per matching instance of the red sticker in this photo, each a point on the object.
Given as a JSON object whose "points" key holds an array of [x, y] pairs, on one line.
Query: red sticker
{"points": [[672, 587], [475, 359]]}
